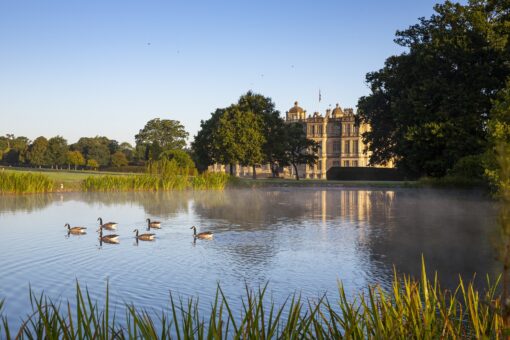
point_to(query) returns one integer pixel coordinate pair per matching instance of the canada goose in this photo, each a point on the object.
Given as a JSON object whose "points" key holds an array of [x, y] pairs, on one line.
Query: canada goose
{"points": [[75, 230], [107, 226], [112, 238], [144, 237], [153, 224], [202, 235]]}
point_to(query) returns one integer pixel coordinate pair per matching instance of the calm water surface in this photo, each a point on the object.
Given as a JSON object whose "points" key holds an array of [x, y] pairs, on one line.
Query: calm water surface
{"points": [[298, 240]]}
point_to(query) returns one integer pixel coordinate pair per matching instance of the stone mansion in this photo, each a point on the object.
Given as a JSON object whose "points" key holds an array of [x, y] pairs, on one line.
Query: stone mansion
{"points": [[340, 141]]}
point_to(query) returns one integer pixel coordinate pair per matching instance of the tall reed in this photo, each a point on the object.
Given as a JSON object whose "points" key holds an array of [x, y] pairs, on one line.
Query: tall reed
{"points": [[206, 181], [24, 183], [412, 309]]}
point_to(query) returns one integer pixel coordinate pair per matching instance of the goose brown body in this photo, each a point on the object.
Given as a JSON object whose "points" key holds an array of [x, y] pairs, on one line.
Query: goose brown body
{"points": [[202, 235], [153, 224], [108, 225], [75, 230], [110, 238], [144, 237]]}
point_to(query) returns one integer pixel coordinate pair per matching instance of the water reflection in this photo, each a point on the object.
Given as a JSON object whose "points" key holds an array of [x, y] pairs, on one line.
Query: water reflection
{"points": [[298, 239]]}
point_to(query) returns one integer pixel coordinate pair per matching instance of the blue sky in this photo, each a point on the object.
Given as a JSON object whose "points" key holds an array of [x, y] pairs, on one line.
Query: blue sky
{"points": [[87, 68]]}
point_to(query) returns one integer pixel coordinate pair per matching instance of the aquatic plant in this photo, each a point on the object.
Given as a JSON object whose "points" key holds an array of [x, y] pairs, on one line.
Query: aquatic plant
{"points": [[411, 309], [24, 183], [210, 180], [147, 182]]}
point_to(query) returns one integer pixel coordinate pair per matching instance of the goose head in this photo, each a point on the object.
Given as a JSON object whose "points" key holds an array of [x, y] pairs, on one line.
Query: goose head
{"points": [[100, 220], [67, 226], [136, 231]]}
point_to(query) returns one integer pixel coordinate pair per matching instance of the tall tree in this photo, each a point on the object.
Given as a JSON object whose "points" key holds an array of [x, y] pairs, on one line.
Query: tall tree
{"points": [[429, 106], [119, 159], [15, 149], [238, 137], [37, 152], [57, 151], [272, 125], [298, 148], [128, 150], [161, 134], [75, 158], [204, 150], [97, 148]]}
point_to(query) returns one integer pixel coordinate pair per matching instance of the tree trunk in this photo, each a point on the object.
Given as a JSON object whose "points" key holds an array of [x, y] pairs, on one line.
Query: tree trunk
{"points": [[231, 169], [295, 169], [254, 175]]}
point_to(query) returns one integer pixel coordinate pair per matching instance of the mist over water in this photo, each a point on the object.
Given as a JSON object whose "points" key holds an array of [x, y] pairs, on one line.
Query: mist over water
{"points": [[298, 239]]}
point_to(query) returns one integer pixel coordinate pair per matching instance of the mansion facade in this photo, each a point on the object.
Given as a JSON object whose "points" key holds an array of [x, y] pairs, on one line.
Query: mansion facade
{"points": [[339, 137]]}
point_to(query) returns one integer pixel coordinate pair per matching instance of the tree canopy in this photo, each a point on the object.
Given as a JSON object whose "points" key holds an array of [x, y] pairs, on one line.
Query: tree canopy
{"points": [[250, 132], [57, 151], [159, 135], [297, 148], [37, 152], [430, 105]]}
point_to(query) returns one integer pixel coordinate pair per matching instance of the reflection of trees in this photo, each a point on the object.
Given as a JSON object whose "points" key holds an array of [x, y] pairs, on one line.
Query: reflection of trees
{"points": [[251, 218], [163, 204], [451, 230], [26, 203], [258, 208]]}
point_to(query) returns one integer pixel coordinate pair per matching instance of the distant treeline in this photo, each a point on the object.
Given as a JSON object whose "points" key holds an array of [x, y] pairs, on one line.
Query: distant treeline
{"points": [[158, 138]]}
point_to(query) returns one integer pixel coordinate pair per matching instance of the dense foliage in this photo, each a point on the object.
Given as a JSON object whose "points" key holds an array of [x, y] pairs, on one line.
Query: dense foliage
{"points": [[429, 107], [159, 137], [249, 133]]}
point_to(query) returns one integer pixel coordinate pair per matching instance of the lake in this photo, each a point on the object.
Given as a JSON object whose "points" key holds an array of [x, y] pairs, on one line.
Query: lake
{"points": [[298, 239]]}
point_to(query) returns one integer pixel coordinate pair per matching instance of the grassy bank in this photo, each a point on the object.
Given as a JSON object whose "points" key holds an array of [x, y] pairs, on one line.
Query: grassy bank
{"points": [[70, 180], [412, 309]]}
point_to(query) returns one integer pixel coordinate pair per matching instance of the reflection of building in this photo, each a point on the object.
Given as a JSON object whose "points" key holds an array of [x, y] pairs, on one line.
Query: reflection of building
{"points": [[340, 141]]}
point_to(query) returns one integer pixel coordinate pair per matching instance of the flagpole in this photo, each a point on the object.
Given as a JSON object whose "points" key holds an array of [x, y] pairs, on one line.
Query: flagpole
{"points": [[319, 105]]}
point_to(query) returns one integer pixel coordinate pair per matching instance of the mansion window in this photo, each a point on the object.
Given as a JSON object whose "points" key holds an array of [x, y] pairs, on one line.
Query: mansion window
{"points": [[347, 147], [336, 146], [347, 129], [319, 129], [355, 147], [346, 164], [355, 163]]}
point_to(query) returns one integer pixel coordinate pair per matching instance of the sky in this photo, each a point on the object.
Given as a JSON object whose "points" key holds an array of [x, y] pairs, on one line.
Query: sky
{"points": [[87, 68]]}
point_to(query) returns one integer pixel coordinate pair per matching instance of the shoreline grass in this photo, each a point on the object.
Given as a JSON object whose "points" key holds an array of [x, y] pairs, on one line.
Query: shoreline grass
{"points": [[77, 180], [147, 182], [411, 309], [18, 183]]}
